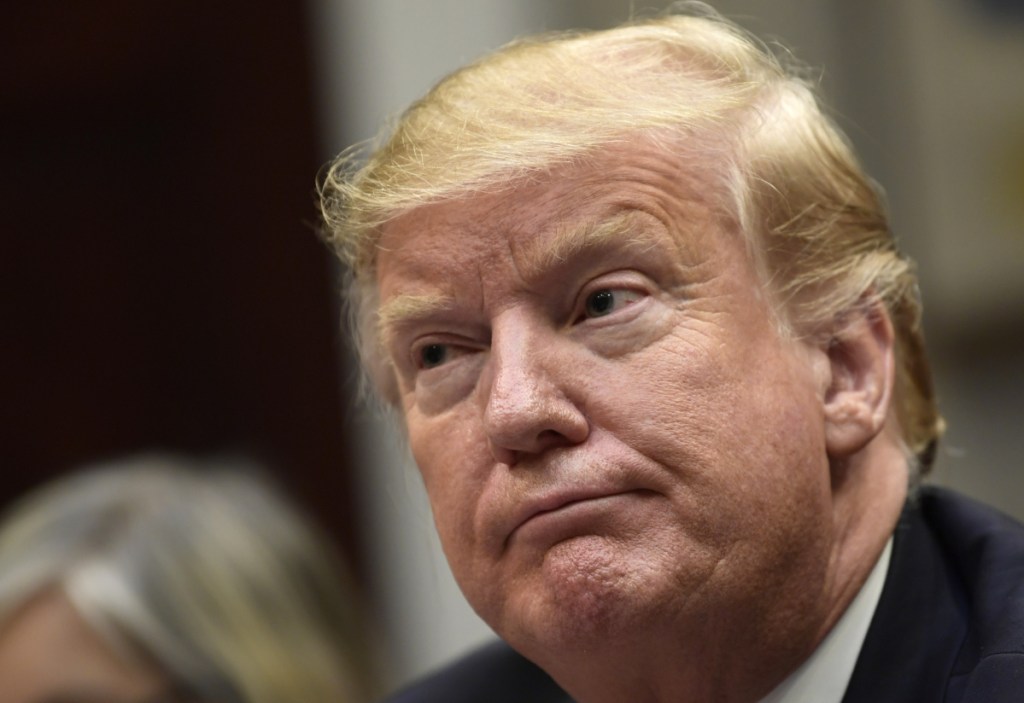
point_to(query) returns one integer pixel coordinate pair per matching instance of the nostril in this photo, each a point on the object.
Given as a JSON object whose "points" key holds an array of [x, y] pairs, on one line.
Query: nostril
{"points": [[548, 437], [503, 455]]}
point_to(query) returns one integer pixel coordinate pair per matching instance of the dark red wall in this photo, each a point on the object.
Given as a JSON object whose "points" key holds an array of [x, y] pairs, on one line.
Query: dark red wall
{"points": [[161, 283]]}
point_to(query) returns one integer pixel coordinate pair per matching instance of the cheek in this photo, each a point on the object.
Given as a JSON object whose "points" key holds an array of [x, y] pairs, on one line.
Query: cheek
{"points": [[452, 462], [740, 413], [675, 396]]}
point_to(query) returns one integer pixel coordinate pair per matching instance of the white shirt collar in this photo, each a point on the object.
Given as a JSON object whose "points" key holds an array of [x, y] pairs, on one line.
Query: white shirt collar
{"points": [[823, 678]]}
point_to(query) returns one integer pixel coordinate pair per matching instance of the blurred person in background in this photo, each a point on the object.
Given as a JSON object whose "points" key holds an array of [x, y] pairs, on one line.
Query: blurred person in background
{"points": [[164, 580]]}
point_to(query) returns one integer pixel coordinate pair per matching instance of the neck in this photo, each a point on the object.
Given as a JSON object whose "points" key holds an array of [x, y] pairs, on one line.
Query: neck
{"points": [[869, 492]]}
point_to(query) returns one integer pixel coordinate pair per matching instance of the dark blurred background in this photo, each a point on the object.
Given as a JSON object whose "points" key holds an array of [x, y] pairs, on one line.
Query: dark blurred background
{"points": [[162, 286]]}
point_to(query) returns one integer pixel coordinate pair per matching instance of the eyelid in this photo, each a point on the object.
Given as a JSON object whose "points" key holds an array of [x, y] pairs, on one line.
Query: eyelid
{"points": [[617, 281], [461, 346]]}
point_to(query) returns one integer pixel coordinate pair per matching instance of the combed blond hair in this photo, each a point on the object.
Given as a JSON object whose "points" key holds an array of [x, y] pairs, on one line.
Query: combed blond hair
{"points": [[815, 224], [201, 568]]}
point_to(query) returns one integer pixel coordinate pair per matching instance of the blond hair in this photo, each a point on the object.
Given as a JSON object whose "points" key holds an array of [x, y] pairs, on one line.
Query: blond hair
{"points": [[203, 569], [703, 88]]}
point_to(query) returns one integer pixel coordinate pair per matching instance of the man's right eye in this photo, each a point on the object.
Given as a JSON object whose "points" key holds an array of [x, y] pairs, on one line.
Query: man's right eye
{"points": [[432, 355]]}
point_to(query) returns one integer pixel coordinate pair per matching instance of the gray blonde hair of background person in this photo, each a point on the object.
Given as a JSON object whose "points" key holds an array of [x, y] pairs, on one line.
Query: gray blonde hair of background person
{"points": [[202, 568], [704, 90]]}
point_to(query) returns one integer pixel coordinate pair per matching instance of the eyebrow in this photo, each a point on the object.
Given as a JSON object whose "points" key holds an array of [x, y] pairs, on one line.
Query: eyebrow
{"points": [[569, 241], [534, 262], [405, 309]]}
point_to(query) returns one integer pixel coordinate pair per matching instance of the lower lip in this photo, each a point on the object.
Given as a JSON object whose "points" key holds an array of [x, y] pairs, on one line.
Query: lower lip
{"points": [[593, 516]]}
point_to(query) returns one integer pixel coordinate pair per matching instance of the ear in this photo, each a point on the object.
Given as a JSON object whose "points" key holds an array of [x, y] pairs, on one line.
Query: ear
{"points": [[861, 358]]}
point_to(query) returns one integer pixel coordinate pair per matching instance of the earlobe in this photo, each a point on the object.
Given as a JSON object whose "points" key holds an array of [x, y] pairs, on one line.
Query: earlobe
{"points": [[861, 357]]}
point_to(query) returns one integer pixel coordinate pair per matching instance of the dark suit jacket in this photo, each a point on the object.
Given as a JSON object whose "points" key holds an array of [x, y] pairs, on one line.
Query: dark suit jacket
{"points": [[950, 623], [949, 627]]}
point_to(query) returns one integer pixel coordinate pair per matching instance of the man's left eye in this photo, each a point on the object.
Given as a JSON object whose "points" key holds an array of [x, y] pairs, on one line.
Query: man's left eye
{"points": [[608, 300]]}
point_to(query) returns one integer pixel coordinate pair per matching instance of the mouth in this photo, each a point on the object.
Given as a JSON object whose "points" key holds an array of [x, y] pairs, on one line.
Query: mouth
{"points": [[564, 514]]}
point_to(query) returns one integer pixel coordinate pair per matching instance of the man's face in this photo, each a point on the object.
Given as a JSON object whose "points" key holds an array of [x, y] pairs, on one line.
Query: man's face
{"points": [[613, 435]]}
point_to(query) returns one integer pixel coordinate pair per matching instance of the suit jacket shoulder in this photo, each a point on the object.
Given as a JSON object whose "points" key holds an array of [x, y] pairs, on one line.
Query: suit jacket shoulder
{"points": [[950, 623], [494, 673]]}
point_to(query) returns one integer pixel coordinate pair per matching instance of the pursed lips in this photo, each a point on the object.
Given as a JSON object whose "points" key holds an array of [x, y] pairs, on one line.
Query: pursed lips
{"points": [[553, 502]]}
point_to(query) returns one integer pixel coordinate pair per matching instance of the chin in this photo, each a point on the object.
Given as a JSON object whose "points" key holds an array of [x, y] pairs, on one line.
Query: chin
{"points": [[586, 595]]}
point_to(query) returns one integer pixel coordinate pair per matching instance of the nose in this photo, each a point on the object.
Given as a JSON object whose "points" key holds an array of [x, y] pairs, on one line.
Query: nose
{"points": [[529, 406]]}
